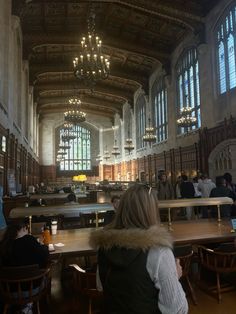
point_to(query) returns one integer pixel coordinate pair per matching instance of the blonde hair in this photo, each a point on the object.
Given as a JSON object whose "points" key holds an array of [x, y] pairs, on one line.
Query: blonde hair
{"points": [[138, 208]]}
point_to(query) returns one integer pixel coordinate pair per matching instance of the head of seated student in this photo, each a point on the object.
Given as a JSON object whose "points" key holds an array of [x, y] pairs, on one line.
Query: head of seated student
{"points": [[115, 200], [137, 209], [38, 202], [19, 248], [71, 198], [220, 181], [15, 230]]}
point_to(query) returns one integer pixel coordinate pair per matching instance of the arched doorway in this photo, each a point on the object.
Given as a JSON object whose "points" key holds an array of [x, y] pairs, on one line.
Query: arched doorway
{"points": [[223, 159]]}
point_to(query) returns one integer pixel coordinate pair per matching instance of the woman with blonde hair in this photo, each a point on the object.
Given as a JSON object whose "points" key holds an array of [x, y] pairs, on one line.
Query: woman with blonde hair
{"points": [[136, 266]]}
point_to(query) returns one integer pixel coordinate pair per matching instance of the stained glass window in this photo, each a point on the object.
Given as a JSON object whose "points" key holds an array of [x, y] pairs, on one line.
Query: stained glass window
{"points": [[159, 96], [225, 45], [78, 157], [188, 92], [140, 122]]}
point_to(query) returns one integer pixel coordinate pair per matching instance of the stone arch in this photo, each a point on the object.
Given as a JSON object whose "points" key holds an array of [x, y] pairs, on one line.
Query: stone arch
{"points": [[223, 159]]}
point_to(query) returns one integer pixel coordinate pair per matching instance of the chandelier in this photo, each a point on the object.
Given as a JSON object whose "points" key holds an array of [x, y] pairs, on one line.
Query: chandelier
{"points": [[91, 66], [106, 154], [74, 115], [115, 151], [64, 146], [129, 146], [61, 153], [67, 133], [59, 158], [186, 119], [99, 158], [149, 135]]}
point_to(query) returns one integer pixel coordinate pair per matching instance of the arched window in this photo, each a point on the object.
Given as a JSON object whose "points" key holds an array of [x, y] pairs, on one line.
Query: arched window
{"points": [[188, 92], [140, 121], [159, 97], [225, 46], [78, 157]]}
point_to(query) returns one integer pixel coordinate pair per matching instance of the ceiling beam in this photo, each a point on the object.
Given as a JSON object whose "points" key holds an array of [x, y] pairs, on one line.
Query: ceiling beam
{"points": [[99, 87], [139, 77], [34, 39], [61, 104]]}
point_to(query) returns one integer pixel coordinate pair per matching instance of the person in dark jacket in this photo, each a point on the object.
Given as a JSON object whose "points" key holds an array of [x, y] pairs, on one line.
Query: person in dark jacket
{"points": [[187, 191], [221, 190], [18, 248], [136, 266]]}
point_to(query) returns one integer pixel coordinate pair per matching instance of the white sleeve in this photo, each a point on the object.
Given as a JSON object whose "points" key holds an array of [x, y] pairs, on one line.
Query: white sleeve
{"points": [[98, 280], [162, 270]]}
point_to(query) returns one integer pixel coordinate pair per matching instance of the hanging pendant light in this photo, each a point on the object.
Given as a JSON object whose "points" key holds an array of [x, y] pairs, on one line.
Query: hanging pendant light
{"points": [[106, 154], [91, 66], [115, 151], [74, 115], [149, 136]]}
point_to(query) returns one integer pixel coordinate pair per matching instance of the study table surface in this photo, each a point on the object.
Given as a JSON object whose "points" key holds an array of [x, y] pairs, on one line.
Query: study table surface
{"points": [[53, 210], [202, 231]]}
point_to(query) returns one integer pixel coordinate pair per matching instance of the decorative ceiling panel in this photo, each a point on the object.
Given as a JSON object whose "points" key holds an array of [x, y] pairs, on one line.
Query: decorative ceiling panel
{"points": [[137, 35]]}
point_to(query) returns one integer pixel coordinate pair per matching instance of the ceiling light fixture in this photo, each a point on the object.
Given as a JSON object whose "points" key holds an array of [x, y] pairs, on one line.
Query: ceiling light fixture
{"points": [[91, 66], [74, 114], [115, 151], [186, 119], [149, 136]]}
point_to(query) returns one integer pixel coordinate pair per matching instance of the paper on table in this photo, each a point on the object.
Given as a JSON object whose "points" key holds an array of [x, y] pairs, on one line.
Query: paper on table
{"points": [[59, 244], [51, 247]]}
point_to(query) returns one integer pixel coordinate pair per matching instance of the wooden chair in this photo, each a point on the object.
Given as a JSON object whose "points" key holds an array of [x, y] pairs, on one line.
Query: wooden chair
{"points": [[91, 220], [184, 254], [86, 284], [219, 263], [22, 285]]}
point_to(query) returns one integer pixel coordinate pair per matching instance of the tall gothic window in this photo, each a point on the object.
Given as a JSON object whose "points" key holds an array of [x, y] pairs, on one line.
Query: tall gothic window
{"points": [[159, 96], [78, 157], [225, 45], [140, 121], [188, 92]]}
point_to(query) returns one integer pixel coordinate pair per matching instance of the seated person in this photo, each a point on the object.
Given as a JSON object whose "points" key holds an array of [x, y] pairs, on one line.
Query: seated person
{"points": [[221, 191], [38, 202], [115, 201], [19, 248], [71, 199]]}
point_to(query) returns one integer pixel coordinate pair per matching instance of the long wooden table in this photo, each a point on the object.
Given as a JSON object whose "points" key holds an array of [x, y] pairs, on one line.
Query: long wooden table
{"points": [[202, 231], [65, 210]]}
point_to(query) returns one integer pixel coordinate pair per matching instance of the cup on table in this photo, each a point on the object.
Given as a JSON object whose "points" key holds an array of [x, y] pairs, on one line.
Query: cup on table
{"points": [[54, 227]]}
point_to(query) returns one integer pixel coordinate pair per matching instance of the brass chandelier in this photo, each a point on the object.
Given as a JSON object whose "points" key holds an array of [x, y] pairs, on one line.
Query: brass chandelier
{"points": [[74, 115], [91, 66], [67, 133], [149, 136], [129, 146], [186, 119], [106, 154], [115, 151]]}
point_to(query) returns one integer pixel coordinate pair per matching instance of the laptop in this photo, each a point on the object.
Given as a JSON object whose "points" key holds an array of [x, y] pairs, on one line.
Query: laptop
{"points": [[233, 222]]}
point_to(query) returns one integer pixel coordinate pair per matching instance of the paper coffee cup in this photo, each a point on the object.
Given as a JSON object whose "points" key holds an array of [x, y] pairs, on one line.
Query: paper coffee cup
{"points": [[54, 227]]}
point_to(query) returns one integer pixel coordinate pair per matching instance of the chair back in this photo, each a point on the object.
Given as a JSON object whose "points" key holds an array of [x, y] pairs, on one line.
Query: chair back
{"points": [[223, 262], [184, 254], [86, 282], [24, 284]]}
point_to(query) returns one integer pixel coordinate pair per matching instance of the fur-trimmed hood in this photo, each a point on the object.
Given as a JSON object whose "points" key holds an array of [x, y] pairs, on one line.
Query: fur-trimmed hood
{"points": [[134, 238]]}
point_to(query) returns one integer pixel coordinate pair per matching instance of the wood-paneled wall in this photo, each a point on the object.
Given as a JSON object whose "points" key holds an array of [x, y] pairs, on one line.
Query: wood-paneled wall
{"points": [[19, 161], [174, 162]]}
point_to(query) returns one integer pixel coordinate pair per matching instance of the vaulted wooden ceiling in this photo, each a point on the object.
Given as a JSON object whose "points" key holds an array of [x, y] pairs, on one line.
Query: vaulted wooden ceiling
{"points": [[138, 35]]}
